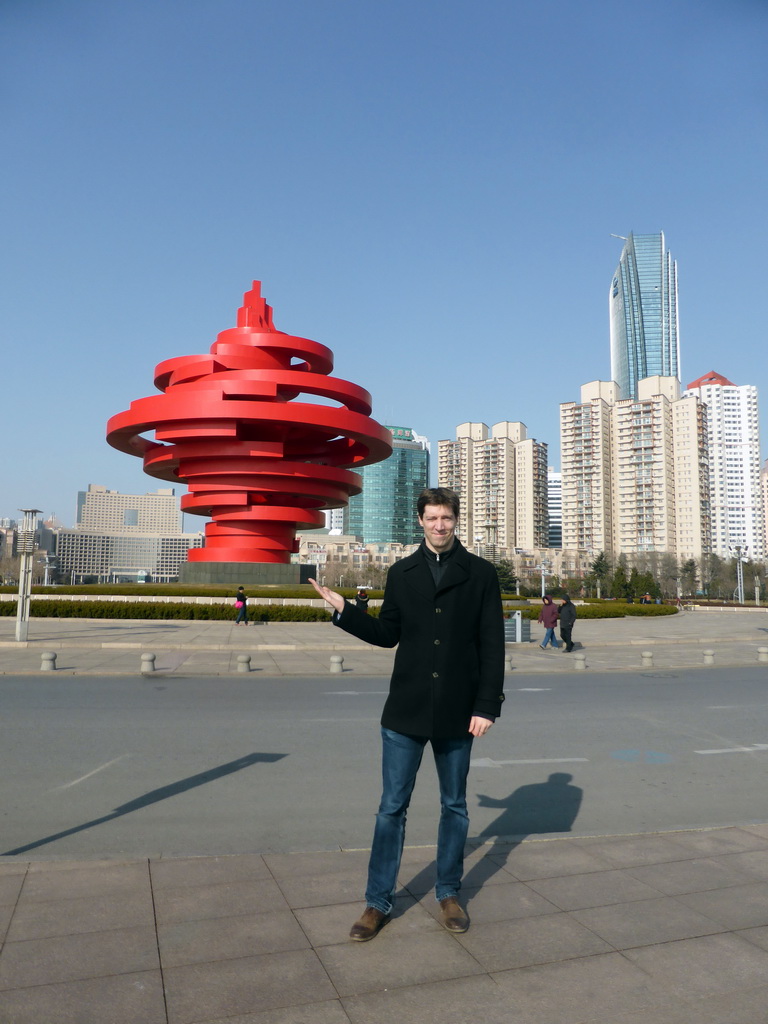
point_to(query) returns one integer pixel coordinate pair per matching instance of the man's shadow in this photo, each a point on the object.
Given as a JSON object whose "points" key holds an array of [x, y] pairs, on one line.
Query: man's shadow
{"points": [[540, 808]]}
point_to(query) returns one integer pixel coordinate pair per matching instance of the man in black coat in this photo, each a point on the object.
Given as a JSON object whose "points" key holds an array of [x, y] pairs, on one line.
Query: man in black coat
{"points": [[442, 608], [567, 619]]}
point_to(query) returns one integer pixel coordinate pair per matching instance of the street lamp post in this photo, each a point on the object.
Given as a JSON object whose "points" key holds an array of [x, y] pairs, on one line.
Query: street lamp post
{"points": [[26, 547], [741, 556]]}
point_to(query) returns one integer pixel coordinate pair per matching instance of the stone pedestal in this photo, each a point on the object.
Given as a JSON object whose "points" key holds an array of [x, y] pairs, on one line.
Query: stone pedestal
{"points": [[245, 573]]}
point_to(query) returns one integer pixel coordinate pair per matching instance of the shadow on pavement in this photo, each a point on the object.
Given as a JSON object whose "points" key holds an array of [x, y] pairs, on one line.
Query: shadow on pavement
{"points": [[153, 797]]}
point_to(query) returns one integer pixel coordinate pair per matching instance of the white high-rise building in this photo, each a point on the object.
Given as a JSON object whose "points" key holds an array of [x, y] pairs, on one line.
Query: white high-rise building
{"points": [[635, 474], [555, 507], [101, 509], [733, 439], [501, 479]]}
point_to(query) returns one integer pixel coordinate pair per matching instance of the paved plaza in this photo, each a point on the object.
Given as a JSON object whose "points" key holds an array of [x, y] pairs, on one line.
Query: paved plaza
{"points": [[642, 929]]}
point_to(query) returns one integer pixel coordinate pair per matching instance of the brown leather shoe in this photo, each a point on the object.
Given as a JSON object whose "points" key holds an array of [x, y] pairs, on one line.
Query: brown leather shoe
{"points": [[452, 917], [369, 925]]}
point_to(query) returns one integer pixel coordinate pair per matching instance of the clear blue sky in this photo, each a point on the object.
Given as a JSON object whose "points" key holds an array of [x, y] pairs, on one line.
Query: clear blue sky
{"points": [[428, 187]]}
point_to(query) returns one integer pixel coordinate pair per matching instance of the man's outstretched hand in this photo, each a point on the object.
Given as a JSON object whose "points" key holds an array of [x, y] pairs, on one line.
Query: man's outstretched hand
{"points": [[334, 600]]}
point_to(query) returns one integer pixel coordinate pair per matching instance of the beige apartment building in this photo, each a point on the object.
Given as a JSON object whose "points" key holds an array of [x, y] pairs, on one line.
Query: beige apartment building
{"points": [[635, 471], [500, 476]]}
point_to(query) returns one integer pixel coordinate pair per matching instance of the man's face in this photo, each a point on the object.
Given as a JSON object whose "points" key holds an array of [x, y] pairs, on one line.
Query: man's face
{"points": [[439, 525]]}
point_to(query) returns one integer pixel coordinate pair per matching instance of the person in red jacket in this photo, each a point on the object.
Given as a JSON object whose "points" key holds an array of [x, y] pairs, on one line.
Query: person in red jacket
{"points": [[442, 609], [548, 618]]}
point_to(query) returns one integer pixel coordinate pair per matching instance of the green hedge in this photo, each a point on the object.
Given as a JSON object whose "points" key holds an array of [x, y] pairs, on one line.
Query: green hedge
{"points": [[132, 610], [609, 610]]}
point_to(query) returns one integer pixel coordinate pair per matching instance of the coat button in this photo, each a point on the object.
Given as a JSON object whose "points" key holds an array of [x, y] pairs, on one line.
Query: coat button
{"points": [[436, 642], [438, 610], [435, 675]]}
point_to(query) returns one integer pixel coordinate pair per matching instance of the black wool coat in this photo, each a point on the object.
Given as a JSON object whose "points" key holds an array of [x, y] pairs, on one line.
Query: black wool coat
{"points": [[449, 663]]}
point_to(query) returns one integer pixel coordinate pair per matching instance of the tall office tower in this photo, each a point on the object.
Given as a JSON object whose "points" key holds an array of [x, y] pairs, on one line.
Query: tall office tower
{"points": [[635, 472], [643, 314], [100, 509], [733, 439], [585, 444], [385, 510], [555, 508], [501, 479]]}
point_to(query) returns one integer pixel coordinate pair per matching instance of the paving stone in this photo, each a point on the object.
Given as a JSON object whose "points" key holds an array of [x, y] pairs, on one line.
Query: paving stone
{"points": [[229, 937], [311, 1013], [72, 957], [744, 906], [299, 865], [55, 880], [696, 875], [394, 960], [323, 890], [600, 889], [175, 873], [497, 903], [645, 922], [712, 965], [200, 992], [39, 919], [551, 860], [581, 989], [536, 940], [636, 851], [456, 1001], [200, 902], [123, 999]]}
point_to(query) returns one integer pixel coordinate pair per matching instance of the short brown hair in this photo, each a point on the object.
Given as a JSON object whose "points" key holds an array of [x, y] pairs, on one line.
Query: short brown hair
{"points": [[443, 496]]}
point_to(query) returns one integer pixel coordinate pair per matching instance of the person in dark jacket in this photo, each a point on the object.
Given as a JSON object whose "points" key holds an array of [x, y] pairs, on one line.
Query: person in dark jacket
{"points": [[567, 619], [442, 609], [241, 603], [548, 618], [361, 600]]}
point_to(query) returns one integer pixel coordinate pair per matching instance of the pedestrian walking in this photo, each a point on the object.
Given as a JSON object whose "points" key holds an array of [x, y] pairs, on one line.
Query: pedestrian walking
{"points": [[548, 618], [567, 618], [361, 600], [442, 609], [241, 603]]}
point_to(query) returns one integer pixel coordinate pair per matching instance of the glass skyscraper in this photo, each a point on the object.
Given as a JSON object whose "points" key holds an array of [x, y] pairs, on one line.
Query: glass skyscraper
{"points": [[643, 310], [385, 509]]}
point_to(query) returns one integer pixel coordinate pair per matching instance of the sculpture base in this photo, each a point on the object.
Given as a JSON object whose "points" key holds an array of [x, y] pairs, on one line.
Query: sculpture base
{"points": [[242, 573]]}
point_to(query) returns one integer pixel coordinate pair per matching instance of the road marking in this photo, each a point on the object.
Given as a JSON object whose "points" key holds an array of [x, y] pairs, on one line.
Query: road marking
{"points": [[534, 689], [95, 771], [354, 693], [641, 756], [488, 762], [736, 750]]}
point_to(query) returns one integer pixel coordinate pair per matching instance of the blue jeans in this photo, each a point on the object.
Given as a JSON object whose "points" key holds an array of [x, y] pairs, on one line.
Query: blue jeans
{"points": [[550, 635], [401, 758], [242, 614]]}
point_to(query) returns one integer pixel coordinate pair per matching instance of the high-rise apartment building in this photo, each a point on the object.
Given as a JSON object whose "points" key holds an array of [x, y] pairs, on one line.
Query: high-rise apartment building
{"points": [[733, 439], [635, 471], [501, 479], [385, 510], [643, 314], [555, 508]]}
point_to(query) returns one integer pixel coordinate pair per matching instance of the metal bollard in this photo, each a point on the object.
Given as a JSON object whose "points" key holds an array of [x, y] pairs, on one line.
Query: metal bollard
{"points": [[709, 657], [580, 661], [337, 662], [243, 663], [646, 659], [147, 664], [510, 666], [48, 663], [762, 654]]}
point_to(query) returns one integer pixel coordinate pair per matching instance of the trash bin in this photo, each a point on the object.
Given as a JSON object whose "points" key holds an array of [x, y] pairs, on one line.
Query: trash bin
{"points": [[517, 630]]}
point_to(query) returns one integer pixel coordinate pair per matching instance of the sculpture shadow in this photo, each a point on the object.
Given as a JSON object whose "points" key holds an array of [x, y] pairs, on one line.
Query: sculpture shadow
{"points": [[152, 797]]}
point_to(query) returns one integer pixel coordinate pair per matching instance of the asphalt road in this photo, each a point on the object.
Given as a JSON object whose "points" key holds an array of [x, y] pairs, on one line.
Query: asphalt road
{"points": [[124, 767]]}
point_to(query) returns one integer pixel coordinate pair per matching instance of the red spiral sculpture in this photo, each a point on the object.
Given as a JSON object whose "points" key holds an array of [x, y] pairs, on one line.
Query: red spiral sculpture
{"points": [[256, 460]]}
